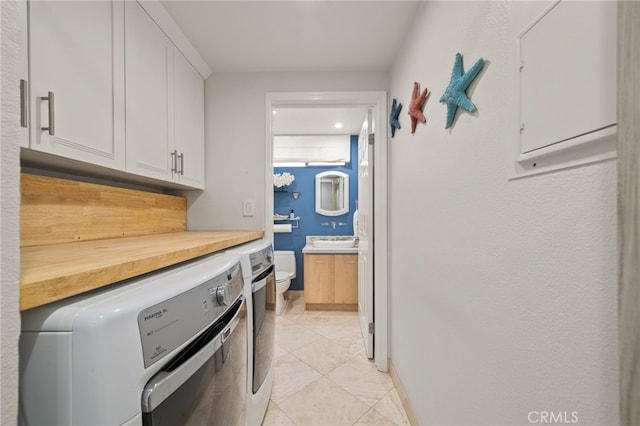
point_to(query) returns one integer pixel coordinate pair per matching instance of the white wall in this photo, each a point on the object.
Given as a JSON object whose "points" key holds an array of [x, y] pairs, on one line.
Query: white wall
{"points": [[503, 293], [235, 145], [9, 219]]}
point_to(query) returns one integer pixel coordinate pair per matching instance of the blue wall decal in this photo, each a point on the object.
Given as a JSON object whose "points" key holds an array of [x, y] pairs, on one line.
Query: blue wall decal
{"points": [[304, 208], [455, 95], [394, 122]]}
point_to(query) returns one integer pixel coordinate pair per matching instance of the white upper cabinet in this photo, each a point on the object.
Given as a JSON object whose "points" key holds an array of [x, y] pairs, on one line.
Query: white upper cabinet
{"points": [[76, 89], [114, 84], [165, 105], [23, 73], [149, 59], [189, 122]]}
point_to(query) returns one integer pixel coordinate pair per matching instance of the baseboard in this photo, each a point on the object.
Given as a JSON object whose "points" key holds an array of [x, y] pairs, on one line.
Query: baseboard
{"points": [[413, 420], [330, 307]]}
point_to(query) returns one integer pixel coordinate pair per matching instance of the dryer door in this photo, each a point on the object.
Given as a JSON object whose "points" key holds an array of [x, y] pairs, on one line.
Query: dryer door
{"points": [[263, 290]]}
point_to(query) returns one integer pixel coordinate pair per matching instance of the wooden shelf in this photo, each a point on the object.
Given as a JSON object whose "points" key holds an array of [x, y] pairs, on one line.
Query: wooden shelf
{"points": [[57, 271]]}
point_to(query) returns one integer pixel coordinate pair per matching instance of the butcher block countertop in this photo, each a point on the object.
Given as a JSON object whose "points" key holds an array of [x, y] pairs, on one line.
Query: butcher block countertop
{"points": [[56, 271]]}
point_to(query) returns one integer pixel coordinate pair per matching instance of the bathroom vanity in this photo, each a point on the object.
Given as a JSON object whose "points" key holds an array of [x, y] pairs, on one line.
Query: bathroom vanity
{"points": [[331, 273]]}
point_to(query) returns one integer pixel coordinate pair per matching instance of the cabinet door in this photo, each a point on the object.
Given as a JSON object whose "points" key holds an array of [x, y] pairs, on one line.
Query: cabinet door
{"points": [[23, 73], [189, 122], [346, 278], [76, 53], [318, 278], [149, 71]]}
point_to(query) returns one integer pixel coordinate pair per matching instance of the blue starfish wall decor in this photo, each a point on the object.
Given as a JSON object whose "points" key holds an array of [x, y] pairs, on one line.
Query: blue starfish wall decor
{"points": [[394, 123], [455, 95]]}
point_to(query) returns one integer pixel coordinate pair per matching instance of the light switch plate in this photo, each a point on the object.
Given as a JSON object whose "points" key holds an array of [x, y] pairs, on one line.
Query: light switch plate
{"points": [[248, 208]]}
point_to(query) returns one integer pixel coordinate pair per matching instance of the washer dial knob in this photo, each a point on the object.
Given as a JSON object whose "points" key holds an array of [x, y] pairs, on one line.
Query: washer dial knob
{"points": [[222, 295]]}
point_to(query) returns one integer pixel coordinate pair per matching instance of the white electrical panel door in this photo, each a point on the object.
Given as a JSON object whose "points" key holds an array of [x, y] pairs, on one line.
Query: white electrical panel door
{"points": [[568, 67]]}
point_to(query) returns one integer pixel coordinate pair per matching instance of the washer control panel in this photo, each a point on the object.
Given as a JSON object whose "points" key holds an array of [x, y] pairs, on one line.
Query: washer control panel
{"points": [[167, 325], [261, 260]]}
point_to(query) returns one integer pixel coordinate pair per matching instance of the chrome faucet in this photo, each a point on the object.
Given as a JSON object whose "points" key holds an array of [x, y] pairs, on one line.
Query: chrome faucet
{"points": [[333, 224]]}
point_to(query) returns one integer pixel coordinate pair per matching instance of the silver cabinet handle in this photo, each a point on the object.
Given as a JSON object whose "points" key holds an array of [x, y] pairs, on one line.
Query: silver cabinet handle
{"points": [[24, 99], [52, 125], [181, 157], [174, 161]]}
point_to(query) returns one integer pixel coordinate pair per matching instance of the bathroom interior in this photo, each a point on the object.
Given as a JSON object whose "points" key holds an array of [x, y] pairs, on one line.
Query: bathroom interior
{"points": [[315, 201]]}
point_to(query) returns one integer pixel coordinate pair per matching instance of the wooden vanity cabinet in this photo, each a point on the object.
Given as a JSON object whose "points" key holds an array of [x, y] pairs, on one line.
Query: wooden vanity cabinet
{"points": [[331, 281]]}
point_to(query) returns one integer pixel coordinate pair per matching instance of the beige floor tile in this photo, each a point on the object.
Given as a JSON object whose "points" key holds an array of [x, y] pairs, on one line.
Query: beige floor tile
{"points": [[345, 336], [288, 319], [292, 337], [275, 417], [359, 377], [391, 407], [323, 355], [310, 344], [374, 418], [322, 318], [325, 328], [294, 305], [323, 403], [290, 376], [357, 348], [279, 351]]}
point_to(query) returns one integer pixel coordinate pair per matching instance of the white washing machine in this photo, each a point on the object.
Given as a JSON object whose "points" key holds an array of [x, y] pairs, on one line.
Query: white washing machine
{"points": [[258, 269], [169, 347]]}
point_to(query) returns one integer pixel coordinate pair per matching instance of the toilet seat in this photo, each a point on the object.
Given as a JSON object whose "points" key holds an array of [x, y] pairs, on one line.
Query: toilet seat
{"points": [[282, 276]]}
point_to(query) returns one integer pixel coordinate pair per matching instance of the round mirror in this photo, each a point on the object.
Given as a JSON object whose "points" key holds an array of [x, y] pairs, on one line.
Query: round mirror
{"points": [[332, 193]]}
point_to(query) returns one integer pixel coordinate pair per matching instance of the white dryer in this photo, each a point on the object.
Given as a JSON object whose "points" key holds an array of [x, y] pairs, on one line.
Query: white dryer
{"points": [[258, 269]]}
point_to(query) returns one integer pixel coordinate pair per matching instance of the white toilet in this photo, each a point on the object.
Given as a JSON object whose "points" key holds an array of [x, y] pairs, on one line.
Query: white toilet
{"points": [[285, 261]]}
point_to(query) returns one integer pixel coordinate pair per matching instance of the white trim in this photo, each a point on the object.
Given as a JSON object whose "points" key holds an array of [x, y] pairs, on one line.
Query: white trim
{"points": [[378, 102], [585, 149], [402, 394], [163, 19]]}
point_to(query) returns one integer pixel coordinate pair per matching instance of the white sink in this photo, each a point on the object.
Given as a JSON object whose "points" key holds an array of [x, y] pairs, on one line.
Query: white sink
{"points": [[342, 243]]}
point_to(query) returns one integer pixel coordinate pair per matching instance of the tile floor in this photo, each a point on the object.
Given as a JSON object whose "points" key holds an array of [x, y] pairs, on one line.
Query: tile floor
{"points": [[322, 375]]}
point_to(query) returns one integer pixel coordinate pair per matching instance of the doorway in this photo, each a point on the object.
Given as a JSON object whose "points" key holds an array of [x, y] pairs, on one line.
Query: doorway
{"points": [[376, 102]]}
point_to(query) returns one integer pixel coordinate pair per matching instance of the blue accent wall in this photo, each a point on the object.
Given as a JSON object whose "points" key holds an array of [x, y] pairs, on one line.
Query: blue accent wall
{"points": [[304, 208]]}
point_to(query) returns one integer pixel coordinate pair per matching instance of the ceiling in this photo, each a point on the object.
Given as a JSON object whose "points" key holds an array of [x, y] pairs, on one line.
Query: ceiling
{"points": [[318, 121], [276, 36], [297, 36]]}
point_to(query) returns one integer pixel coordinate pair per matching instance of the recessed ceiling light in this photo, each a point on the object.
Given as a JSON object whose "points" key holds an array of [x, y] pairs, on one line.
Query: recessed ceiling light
{"points": [[275, 112], [338, 125]]}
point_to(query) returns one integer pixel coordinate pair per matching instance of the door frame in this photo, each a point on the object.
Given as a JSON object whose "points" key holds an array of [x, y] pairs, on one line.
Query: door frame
{"points": [[377, 101]]}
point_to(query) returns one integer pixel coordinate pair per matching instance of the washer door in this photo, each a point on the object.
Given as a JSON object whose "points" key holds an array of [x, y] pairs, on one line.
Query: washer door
{"points": [[205, 384], [264, 325]]}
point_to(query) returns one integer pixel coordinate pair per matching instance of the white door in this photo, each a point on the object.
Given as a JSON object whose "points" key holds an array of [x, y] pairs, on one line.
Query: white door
{"points": [[76, 53], [149, 71], [189, 122], [364, 232]]}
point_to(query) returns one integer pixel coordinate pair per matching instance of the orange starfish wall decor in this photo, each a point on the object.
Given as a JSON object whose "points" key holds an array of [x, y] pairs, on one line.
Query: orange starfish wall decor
{"points": [[415, 107]]}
